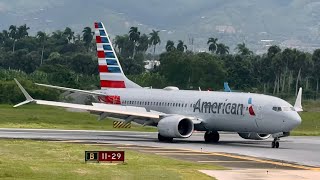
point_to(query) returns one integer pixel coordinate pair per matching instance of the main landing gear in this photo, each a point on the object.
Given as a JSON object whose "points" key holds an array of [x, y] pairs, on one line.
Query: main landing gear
{"points": [[164, 139], [275, 143], [211, 136]]}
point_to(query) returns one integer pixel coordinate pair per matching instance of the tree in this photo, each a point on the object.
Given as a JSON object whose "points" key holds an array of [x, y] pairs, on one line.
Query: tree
{"points": [[69, 34], [134, 36], [213, 45], [154, 40], [13, 35], [170, 46], [243, 50], [181, 46], [222, 49], [316, 62], [143, 43], [119, 42], [87, 37], [42, 37], [124, 45], [22, 31]]}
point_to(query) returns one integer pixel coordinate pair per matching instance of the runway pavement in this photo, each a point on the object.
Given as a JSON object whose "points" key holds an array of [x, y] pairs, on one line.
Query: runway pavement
{"points": [[296, 150]]}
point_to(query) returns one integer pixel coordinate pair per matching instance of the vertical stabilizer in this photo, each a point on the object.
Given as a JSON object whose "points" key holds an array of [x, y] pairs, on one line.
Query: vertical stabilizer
{"points": [[111, 73]]}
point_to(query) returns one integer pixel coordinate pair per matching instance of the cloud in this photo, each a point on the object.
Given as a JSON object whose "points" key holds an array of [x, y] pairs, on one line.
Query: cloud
{"points": [[3, 7]]}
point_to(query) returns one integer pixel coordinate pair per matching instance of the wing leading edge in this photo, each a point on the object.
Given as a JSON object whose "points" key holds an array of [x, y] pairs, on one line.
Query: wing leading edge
{"points": [[113, 109]]}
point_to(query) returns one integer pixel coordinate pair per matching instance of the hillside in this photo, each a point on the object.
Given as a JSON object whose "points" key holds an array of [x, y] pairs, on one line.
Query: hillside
{"points": [[293, 21]]}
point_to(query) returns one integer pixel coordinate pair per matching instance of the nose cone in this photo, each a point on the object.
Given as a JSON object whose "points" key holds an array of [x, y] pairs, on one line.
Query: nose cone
{"points": [[295, 120]]}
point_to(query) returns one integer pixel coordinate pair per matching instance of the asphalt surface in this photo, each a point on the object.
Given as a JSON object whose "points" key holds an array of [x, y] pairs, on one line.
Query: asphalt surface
{"points": [[293, 150]]}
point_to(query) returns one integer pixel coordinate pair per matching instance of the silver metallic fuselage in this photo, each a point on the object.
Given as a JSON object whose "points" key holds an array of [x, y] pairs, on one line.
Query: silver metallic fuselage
{"points": [[220, 111]]}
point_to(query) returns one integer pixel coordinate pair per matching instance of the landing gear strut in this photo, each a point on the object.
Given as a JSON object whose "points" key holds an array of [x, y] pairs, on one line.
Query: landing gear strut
{"points": [[164, 139], [211, 136], [275, 143]]}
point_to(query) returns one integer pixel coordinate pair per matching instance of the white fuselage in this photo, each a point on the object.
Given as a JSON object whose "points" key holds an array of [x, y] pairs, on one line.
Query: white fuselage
{"points": [[219, 111]]}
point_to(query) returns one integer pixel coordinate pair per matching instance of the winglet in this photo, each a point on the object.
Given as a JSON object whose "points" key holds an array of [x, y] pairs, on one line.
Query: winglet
{"points": [[25, 93], [226, 87], [297, 105]]}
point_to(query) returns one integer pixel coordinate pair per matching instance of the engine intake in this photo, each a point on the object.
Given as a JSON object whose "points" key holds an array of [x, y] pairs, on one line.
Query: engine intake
{"points": [[175, 127], [255, 136]]}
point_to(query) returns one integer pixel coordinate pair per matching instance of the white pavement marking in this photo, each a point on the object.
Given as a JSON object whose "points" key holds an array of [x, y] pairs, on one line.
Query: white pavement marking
{"points": [[262, 174]]}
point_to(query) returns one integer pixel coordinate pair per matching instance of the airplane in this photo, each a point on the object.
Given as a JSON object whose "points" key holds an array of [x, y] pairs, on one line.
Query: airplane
{"points": [[177, 113], [226, 87]]}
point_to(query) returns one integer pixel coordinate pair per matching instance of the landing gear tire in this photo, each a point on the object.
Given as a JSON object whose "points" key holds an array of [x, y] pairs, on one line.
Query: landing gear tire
{"points": [[164, 139], [211, 137], [275, 143]]}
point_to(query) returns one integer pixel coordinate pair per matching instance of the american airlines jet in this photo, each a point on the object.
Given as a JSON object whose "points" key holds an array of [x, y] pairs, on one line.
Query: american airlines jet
{"points": [[177, 113]]}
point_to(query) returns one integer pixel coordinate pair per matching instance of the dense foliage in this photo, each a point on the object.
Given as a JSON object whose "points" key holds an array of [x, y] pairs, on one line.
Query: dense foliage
{"points": [[67, 59]]}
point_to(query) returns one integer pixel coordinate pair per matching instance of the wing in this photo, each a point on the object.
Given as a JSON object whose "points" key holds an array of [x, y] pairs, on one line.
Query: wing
{"points": [[129, 113]]}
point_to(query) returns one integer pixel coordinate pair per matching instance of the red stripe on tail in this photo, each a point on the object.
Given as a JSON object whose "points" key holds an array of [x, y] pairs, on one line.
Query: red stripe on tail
{"points": [[101, 54], [112, 84], [103, 68], [96, 25], [98, 39]]}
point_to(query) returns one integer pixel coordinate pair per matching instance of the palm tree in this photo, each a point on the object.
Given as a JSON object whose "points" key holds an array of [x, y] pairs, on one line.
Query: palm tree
{"points": [[22, 31], [13, 35], [134, 36], [212, 42], [170, 46], [119, 42], [4, 36], [222, 49], [87, 36], [143, 43], [243, 50], [154, 40], [69, 34], [181, 46], [42, 36]]}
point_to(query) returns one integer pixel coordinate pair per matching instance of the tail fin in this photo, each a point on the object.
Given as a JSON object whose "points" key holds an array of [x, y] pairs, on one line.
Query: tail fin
{"points": [[111, 73], [226, 87]]}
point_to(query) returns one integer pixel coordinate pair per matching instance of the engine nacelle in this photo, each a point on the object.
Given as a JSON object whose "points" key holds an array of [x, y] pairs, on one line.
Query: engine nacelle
{"points": [[255, 136], [175, 127]]}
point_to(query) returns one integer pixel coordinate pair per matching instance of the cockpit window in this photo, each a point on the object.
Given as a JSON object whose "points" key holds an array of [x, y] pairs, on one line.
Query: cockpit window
{"points": [[283, 108], [277, 109]]}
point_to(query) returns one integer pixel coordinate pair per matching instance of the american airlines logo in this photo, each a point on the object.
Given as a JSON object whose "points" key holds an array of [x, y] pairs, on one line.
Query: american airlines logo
{"points": [[218, 107]]}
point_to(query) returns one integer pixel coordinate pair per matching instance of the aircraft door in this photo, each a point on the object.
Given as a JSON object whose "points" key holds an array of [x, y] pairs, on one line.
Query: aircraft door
{"points": [[259, 116]]}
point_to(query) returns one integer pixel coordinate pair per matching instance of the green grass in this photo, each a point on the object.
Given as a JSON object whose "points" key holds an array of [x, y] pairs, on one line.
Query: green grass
{"points": [[310, 125], [27, 159], [37, 116]]}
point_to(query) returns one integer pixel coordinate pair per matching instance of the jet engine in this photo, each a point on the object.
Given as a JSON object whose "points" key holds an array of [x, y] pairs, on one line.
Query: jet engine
{"points": [[175, 127], [255, 136]]}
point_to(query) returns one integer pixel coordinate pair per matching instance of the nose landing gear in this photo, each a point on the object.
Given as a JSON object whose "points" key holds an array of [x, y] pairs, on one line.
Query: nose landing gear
{"points": [[275, 143]]}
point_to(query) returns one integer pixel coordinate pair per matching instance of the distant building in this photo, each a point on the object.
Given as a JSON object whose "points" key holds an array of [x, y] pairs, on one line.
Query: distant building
{"points": [[150, 64]]}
